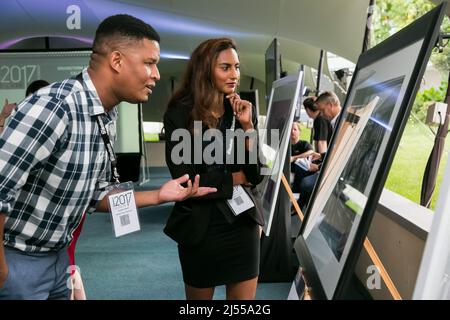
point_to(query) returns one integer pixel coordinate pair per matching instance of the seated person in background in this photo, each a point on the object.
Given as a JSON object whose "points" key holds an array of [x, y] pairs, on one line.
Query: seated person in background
{"points": [[302, 157], [322, 127]]}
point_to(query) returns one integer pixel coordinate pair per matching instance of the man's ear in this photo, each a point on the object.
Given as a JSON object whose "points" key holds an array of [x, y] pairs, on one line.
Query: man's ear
{"points": [[116, 60]]}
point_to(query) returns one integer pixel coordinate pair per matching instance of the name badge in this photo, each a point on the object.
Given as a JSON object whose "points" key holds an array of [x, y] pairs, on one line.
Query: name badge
{"points": [[122, 207], [241, 201]]}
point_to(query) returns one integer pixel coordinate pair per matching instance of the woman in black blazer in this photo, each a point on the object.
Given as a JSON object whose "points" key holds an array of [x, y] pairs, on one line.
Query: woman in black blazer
{"points": [[215, 246]]}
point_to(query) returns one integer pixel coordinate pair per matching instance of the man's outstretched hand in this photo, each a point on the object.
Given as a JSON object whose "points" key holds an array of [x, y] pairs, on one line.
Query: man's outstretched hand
{"points": [[174, 191]]}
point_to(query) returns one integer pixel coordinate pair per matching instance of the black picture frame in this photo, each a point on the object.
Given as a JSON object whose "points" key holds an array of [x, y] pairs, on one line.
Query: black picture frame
{"points": [[418, 39], [272, 62], [280, 114]]}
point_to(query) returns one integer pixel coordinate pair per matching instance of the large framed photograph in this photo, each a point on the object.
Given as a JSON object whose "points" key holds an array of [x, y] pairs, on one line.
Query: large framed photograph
{"points": [[275, 142], [378, 103]]}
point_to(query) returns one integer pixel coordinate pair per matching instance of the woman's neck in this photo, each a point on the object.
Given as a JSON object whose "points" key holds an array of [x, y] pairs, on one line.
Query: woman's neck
{"points": [[218, 112]]}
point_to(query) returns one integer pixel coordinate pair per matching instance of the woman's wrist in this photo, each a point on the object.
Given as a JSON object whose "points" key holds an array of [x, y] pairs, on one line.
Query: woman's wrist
{"points": [[239, 178]]}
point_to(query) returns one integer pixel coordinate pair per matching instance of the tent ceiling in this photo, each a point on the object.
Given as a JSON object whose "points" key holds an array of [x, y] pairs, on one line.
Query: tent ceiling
{"points": [[302, 26]]}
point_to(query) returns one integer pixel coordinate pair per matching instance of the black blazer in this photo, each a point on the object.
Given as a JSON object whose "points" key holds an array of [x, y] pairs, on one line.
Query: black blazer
{"points": [[189, 219]]}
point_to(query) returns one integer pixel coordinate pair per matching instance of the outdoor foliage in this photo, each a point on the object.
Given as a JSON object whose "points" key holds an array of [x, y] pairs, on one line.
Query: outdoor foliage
{"points": [[405, 176], [392, 15], [425, 97]]}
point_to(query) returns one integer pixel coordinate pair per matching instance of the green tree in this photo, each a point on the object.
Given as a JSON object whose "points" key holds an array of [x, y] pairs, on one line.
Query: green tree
{"points": [[392, 15], [389, 17], [425, 97], [441, 61]]}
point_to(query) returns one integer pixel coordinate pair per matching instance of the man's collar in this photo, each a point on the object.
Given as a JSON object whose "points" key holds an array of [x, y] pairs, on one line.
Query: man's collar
{"points": [[95, 106], [333, 121]]}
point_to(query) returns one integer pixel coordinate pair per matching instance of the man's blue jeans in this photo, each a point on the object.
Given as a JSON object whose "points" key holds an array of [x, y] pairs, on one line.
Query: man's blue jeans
{"points": [[305, 189], [38, 276]]}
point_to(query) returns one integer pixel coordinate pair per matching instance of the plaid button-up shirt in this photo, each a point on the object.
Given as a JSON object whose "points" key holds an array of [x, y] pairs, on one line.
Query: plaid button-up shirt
{"points": [[53, 164]]}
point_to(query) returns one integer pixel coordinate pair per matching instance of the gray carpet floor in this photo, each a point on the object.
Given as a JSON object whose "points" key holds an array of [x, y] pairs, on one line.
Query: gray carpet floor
{"points": [[141, 265]]}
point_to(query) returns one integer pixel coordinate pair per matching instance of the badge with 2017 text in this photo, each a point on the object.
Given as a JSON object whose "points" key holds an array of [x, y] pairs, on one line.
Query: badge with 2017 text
{"points": [[123, 212], [240, 202]]}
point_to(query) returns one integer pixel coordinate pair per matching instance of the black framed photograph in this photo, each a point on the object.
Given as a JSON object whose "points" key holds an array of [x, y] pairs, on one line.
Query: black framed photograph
{"points": [[275, 142], [372, 120]]}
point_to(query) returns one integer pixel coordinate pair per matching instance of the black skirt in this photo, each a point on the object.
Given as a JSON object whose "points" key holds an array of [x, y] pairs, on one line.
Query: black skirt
{"points": [[229, 253]]}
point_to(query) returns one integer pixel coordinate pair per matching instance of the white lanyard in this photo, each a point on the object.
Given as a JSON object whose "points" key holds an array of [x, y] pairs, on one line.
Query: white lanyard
{"points": [[230, 147], [240, 201]]}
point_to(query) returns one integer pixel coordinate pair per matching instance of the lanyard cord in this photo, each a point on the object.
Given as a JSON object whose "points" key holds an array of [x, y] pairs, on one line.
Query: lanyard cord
{"points": [[106, 140], [109, 149]]}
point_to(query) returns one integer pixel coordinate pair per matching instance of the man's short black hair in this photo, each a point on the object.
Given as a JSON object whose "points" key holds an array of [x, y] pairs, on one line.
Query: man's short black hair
{"points": [[126, 26]]}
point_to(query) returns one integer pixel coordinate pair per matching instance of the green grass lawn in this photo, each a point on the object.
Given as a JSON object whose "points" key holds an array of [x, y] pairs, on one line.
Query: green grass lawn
{"points": [[305, 134], [405, 175]]}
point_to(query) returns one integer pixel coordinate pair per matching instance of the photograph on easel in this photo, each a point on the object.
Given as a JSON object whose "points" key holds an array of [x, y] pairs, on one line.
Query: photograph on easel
{"points": [[275, 141], [370, 126]]}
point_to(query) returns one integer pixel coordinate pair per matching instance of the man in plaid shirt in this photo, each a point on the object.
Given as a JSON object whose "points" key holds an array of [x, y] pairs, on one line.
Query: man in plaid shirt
{"points": [[54, 165]]}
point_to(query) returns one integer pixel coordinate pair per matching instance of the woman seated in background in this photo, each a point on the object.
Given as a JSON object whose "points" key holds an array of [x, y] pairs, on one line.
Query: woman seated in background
{"points": [[302, 157]]}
